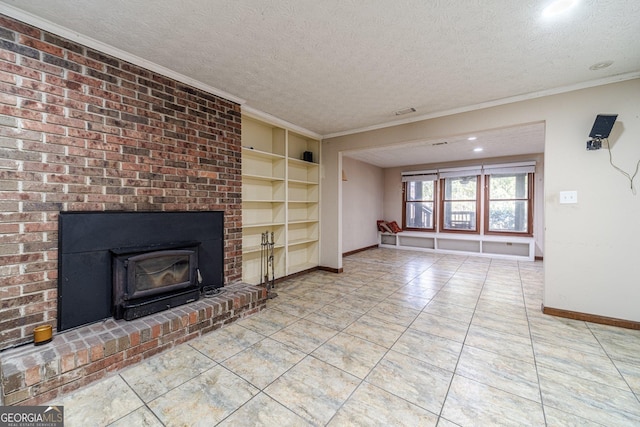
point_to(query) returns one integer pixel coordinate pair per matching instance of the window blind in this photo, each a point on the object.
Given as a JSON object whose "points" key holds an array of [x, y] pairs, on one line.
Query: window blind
{"points": [[509, 168], [413, 176], [504, 168], [460, 172]]}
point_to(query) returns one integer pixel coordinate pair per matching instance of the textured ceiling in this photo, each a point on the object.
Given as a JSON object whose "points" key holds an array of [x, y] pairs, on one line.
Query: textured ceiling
{"points": [[334, 66], [512, 141]]}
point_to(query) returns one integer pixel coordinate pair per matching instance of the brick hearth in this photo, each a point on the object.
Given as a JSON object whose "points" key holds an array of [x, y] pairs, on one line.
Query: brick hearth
{"points": [[32, 375]]}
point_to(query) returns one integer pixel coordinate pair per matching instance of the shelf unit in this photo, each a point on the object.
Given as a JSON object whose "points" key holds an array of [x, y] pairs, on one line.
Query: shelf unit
{"points": [[280, 195]]}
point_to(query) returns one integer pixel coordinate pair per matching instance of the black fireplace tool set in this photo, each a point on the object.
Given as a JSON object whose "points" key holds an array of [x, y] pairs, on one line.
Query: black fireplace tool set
{"points": [[267, 264]]}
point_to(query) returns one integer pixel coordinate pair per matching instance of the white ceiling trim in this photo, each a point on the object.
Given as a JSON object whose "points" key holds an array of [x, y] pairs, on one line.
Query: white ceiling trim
{"points": [[261, 115], [498, 102], [110, 50]]}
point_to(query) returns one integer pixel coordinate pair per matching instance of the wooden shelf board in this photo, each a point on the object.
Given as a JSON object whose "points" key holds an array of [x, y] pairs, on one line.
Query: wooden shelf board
{"points": [[264, 224], [300, 182], [261, 201], [301, 241], [262, 177], [263, 154], [303, 201], [303, 221], [302, 162]]}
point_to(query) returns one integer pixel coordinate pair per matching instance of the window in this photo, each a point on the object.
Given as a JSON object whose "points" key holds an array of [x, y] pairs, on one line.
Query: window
{"points": [[459, 203], [509, 207], [487, 199], [419, 205]]}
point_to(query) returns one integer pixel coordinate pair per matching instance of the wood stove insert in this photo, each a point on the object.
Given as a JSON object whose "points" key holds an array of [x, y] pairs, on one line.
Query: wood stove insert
{"points": [[151, 279]]}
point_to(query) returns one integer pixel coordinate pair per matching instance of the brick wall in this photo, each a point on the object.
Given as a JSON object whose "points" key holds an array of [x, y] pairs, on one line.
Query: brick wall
{"points": [[84, 131]]}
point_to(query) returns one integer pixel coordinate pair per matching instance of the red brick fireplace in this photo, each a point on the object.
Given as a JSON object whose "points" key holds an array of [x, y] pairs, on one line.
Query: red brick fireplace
{"points": [[84, 131]]}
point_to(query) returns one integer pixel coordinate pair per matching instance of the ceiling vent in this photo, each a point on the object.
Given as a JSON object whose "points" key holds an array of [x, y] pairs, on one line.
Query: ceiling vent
{"points": [[405, 111]]}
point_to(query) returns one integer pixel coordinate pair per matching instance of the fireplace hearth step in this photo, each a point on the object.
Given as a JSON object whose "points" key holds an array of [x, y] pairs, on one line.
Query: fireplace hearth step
{"points": [[31, 375]]}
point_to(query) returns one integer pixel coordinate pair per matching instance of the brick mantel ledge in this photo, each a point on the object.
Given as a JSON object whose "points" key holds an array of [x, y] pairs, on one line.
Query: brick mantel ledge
{"points": [[32, 375]]}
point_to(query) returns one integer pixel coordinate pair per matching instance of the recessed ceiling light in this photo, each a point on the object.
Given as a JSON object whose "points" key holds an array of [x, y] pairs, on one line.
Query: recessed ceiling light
{"points": [[477, 149], [601, 65], [558, 6], [472, 138]]}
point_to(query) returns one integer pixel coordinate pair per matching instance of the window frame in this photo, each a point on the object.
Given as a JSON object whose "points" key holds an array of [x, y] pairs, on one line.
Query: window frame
{"points": [[442, 201], [483, 198], [435, 207], [529, 200]]}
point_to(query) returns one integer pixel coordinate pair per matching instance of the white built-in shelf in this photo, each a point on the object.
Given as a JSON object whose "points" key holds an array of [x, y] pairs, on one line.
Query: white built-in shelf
{"points": [[280, 195]]}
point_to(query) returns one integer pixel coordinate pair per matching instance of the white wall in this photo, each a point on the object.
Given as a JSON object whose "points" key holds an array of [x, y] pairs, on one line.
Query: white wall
{"points": [[393, 190], [362, 204], [592, 248]]}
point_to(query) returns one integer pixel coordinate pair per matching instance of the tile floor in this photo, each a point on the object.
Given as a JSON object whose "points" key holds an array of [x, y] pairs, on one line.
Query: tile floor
{"points": [[400, 338]]}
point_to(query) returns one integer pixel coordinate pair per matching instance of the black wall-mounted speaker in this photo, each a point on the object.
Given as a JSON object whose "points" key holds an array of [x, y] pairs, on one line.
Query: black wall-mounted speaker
{"points": [[602, 126]]}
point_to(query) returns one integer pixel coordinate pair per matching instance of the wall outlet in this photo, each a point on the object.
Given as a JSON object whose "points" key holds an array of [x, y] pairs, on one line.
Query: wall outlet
{"points": [[568, 197]]}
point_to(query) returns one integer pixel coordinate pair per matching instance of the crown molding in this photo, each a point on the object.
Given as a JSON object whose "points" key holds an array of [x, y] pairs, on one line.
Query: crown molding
{"points": [[495, 103], [261, 115]]}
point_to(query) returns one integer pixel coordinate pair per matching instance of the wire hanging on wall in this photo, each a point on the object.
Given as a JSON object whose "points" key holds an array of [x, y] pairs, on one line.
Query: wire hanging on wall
{"points": [[629, 176], [600, 131]]}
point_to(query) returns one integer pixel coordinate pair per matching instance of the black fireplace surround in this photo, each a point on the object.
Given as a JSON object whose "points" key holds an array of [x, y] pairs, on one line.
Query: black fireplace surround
{"points": [[130, 264]]}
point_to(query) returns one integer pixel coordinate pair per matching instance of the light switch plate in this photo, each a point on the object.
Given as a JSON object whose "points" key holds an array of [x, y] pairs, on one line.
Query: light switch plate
{"points": [[568, 197]]}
